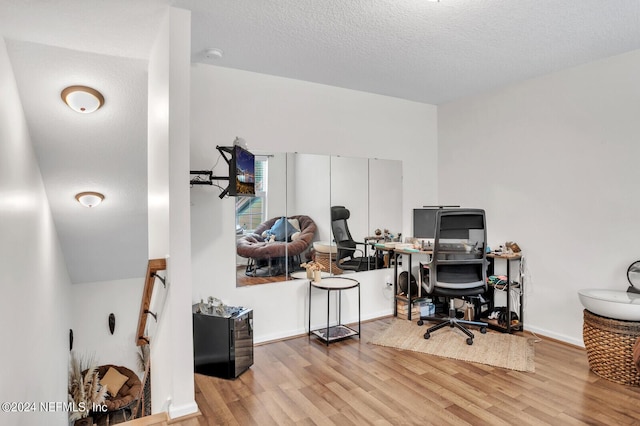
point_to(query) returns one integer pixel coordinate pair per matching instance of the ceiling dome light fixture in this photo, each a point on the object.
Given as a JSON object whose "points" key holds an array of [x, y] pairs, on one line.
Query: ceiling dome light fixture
{"points": [[213, 53], [89, 199], [82, 99]]}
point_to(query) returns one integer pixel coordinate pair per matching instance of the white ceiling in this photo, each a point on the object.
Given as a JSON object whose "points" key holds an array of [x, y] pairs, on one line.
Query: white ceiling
{"points": [[413, 49], [105, 45]]}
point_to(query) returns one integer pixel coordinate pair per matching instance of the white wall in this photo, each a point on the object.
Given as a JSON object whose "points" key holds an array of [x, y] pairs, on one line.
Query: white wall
{"points": [[92, 303], [554, 162], [278, 114], [169, 213], [35, 302]]}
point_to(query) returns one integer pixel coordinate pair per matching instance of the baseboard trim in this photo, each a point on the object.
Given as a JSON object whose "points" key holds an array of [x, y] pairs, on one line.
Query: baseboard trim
{"points": [[183, 418], [292, 334], [176, 411], [554, 336]]}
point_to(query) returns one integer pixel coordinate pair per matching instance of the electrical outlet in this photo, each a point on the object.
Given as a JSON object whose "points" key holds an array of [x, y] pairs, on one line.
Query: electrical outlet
{"points": [[388, 281]]}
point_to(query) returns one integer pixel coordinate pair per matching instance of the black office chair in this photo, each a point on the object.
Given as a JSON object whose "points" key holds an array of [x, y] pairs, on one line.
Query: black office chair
{"points": [[348, 256], [458, 266]]}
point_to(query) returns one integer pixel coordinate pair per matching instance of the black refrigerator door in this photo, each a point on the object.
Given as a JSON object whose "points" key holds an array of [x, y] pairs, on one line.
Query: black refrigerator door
{"points": [[243, 347], [211, 341]]}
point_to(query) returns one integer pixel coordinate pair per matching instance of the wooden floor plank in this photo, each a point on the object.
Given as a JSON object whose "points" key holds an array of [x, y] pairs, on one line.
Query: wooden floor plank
{"points": [[300, 381], [475, 415]]}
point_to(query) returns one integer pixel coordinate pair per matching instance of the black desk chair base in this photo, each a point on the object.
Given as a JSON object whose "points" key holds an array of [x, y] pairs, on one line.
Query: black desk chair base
{"points": [[453, 321]]}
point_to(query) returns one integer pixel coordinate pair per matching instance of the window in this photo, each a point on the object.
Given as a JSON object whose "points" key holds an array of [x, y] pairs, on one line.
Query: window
{"points": [[251, 211]]}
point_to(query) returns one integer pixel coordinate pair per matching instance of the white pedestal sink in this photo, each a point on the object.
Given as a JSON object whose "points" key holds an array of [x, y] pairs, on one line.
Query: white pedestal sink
{"points": [[616, 304]]}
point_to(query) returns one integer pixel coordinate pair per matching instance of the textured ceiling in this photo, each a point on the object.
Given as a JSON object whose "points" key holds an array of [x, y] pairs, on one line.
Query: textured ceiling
{"points": [[413, 49]]}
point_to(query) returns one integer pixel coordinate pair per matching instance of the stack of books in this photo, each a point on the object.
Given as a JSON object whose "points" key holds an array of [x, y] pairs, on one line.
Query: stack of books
{"points": [[403, 308]]}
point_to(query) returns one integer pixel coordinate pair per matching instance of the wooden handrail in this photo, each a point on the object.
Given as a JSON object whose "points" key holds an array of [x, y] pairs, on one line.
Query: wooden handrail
{"points": [[153, 266]]}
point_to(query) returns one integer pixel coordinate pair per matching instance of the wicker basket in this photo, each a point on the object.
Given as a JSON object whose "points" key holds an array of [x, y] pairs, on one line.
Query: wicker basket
{"points": [[328, 261], [609, 345]]}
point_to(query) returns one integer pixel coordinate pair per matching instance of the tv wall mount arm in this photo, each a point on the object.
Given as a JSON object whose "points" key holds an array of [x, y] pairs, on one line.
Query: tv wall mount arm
{"points": [[205, 177]]}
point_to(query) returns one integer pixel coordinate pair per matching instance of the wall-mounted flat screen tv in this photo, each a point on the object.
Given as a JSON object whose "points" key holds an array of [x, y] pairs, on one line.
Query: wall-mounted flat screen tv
{"points": [[242, 167]]}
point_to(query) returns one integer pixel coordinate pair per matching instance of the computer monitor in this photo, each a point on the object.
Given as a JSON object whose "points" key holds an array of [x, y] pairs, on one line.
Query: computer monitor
{"points": [[424, 223]]}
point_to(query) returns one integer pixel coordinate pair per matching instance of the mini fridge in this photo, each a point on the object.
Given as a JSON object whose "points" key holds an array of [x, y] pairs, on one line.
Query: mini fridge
{"points": [[222, 341]]}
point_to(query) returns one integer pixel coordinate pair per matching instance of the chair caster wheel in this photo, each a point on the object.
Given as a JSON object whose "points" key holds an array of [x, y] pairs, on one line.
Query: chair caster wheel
{"points": [[469, 341], [427, 335], [420, 323], [483, 330]]}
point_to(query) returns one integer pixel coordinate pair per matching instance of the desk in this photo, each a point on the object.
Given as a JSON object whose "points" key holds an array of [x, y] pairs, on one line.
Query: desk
{"points": [[384, 251], [371, 241], [399, 252], [339, 331]]}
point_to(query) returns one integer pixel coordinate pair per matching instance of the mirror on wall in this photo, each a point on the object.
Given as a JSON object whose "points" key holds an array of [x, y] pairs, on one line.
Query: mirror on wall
{"points": [[385, 195], [302, 188]]}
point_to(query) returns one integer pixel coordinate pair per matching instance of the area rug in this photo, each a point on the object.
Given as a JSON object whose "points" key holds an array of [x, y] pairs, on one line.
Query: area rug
{"points": [[493, 348]]}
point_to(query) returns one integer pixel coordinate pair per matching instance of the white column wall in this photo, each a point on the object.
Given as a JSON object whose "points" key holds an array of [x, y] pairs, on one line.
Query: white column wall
{"points": [[169, 214], [285, 115], [554, 162], [35, 304]]}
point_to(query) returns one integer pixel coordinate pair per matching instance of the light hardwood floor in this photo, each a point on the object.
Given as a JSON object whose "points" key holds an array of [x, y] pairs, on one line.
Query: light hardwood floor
{"points": [[301, 381]]}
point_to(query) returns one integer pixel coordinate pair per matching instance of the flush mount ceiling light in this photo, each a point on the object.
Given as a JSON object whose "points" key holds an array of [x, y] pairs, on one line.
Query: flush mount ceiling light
{"points": [[89, 199], [213, 53], [82, 99]]}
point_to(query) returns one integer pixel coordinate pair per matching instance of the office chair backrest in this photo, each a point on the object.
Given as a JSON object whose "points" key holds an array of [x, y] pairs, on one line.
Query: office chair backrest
{"points": [[458, 265], [340, 229]]}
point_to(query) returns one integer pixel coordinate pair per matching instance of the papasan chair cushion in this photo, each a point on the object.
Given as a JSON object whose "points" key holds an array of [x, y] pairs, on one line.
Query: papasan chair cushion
{"points": [[255, 246], [129, 391]]}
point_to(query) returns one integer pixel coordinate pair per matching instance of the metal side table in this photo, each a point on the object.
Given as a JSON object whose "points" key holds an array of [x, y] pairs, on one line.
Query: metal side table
{"points": [[337, 332]]}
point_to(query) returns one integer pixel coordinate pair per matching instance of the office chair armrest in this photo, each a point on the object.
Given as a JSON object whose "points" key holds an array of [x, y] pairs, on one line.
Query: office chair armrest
{"points": [[427, 286], [351, 249]]}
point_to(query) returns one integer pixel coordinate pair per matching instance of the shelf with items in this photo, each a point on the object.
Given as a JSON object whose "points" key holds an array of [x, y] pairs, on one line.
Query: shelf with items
{"points": [[402, 307], [495, 324], [514, 293], [413, 293]]}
